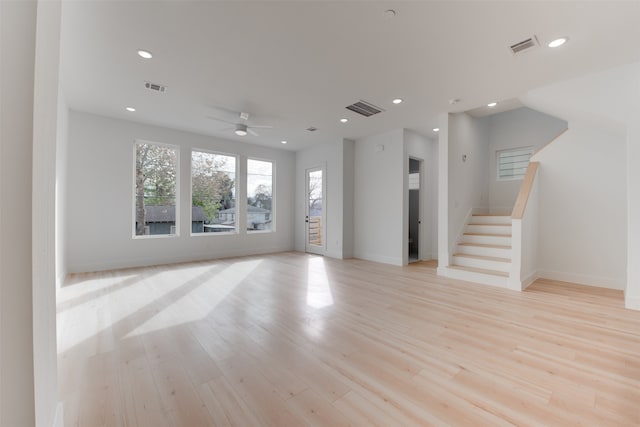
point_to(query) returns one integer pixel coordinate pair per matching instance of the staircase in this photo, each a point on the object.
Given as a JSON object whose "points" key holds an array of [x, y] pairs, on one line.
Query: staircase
{"points": [[483, 253]]}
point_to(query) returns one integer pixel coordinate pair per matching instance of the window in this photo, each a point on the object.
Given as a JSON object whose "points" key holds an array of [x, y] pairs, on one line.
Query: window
{"points": [[259, 195], [512, 164], [213, 193], [156, 174]]}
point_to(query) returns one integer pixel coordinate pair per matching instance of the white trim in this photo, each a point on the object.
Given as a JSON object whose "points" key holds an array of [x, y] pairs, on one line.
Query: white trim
{"points": [[173, 258], [529, 280], [381, 259], [631, 302], [582, 279]]}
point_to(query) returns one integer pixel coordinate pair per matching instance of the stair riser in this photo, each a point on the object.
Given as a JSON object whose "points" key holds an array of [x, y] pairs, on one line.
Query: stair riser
{"points": [[482, 263], [479, 250], [489, 229], [491, 219], [484, 279], [487, 240]]}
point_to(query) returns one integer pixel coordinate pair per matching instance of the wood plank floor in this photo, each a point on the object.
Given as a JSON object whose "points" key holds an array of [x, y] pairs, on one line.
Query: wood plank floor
{"points": [[299, 340]]}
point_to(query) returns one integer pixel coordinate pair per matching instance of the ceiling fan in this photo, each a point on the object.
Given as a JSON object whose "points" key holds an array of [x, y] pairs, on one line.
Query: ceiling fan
{"points": [[242, 126]]}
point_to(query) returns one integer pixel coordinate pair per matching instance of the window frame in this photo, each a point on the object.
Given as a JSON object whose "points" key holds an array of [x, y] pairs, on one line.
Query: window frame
{"points": [[273, 196], [531, 149], [236, 231], [177, 148]]}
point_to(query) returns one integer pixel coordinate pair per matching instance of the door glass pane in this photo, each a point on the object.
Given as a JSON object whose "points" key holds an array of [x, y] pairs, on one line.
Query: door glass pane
{"points": [[315, 208]]}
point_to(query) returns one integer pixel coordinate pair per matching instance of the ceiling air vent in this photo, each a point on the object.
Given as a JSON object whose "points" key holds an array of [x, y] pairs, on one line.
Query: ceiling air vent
{"points": [[364, 108], [155, 86], [524, 45]]}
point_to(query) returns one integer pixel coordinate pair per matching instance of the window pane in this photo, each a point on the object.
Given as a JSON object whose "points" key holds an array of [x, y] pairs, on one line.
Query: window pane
{"points": [[213, 193], [259, 195], [512, 164], [155, 196]]}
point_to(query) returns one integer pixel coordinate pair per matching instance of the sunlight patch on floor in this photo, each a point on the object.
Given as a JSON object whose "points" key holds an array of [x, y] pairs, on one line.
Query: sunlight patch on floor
{"points": [[189, 307], [318, 290]]}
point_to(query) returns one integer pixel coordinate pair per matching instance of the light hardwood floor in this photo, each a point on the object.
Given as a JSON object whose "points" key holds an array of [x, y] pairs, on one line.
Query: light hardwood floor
{"points": [[298, 340]]}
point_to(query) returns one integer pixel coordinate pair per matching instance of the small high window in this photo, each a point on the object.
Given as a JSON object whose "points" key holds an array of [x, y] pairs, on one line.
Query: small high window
{"points": [[512, 164], [156, 175], [213, 193], [259, 195]]}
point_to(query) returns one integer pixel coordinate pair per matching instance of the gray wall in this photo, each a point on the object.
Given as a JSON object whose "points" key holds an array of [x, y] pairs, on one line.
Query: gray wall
{"points": [[518, 128]]}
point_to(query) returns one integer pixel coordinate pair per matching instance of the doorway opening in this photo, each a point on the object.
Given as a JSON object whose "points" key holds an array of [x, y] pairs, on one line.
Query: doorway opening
{"points": [[415, 178], [315, 213]]}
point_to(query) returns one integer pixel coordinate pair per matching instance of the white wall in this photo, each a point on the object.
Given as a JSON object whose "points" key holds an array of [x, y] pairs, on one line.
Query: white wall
{"points": [[17, 53], [45, 135], [348, 196], [61, 156], [100, 197], [423, 148], [632, 289], [518, 128], [583, 208], [379, 197], [468, 180]]}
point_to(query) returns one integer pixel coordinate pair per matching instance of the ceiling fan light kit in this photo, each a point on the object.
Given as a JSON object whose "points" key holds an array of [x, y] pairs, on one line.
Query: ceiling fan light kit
{"points": [[243, 128]]}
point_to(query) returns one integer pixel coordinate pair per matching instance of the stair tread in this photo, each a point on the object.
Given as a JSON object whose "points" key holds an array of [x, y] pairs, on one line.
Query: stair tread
{"points": [[487, 234], [482, 245], [493, 214], [480, 270], [482, 257]]}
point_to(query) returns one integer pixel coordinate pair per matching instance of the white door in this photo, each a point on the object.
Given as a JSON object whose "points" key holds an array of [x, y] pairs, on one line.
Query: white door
{"points": [[315, 215]]}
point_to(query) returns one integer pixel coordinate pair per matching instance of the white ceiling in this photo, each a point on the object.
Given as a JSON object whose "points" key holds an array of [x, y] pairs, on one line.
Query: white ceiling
{"points": [[298, 64]]}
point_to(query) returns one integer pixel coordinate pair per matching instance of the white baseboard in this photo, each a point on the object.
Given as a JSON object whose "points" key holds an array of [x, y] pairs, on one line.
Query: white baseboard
{"points": [[426, 257], [378, 258], [582, 279], [529, 280], [632, 302], [115, 264]]}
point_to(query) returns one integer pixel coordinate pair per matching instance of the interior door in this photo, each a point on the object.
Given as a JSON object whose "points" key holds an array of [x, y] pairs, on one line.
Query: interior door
{"points": [[315, 215]]}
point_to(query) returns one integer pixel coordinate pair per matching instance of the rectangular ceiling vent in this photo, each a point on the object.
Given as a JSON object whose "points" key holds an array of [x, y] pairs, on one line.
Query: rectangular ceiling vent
{"points": [[364, 108], [524, 45], [155, 86]]}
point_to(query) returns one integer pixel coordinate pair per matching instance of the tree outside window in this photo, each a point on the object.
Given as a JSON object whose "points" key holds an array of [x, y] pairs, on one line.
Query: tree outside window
{"points": [[213, 189], [259, 195], [155, 189]]}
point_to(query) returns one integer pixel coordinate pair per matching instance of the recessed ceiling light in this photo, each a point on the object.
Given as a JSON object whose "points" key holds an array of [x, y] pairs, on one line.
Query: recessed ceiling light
{"points": [[397, 101], [130, 109], [492, 104], [558, 42], [283, 142], [145, 54], [389, 14], [436, 129], [344, 120]]}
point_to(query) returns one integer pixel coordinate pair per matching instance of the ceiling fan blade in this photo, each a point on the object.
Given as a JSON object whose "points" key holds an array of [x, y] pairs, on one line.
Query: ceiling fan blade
{"points": [[252, 132], [220, 120], [226, 129], [261, 127]]}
